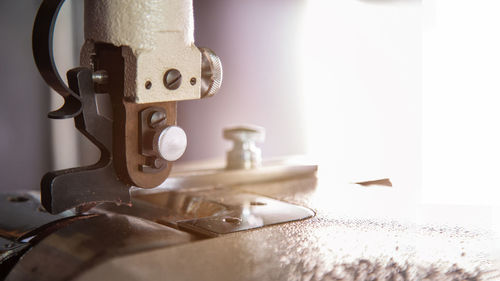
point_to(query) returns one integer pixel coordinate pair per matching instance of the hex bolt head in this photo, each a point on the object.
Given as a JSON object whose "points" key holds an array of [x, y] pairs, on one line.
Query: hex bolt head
{"points": [[171, 143], [172, 79]]}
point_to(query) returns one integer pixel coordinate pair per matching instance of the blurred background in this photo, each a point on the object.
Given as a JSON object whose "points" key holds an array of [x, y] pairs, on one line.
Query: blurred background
{"points": [[366, 88]]}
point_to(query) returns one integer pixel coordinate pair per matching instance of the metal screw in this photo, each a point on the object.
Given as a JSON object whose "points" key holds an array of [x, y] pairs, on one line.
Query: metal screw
{"points": [[232, 220], [100, 77], [148, 85], [158, 163], [156, 119], [193, 81], [172, 79]]}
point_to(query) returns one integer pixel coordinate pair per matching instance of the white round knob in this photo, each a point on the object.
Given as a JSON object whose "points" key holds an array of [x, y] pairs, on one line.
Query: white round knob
{"points": [[171, 143]]}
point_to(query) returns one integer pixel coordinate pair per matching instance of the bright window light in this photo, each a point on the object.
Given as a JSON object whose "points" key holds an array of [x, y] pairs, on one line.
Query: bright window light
{"points": [[407, 91], [362, 78], [461, 94]]}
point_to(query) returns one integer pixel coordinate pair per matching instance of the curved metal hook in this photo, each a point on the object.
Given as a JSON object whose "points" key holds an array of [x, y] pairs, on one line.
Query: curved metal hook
{"points": [[43, 33]]}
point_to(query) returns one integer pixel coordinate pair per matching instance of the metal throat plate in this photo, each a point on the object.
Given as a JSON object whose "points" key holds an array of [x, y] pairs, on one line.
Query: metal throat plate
{"points": [[244, 212]]}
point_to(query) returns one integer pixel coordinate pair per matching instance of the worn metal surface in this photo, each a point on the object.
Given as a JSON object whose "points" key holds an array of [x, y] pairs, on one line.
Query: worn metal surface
{"points": [[358, 233], [352, 237], [211, 212], [78, 247], [244, 212], [316, 249], [21, 214]]}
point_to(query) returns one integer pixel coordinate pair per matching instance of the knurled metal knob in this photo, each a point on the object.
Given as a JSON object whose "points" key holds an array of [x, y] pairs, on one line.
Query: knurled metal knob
{"points": [[211, 73], [245, 153]]}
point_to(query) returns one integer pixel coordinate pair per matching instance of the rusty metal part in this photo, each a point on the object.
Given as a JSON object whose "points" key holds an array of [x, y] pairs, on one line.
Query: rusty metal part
{"points": [[83, 244], [43, 33], [129, 125], [66, 189]]}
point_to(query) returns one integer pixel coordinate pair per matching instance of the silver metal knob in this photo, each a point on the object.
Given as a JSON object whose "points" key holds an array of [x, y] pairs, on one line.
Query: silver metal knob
{"points": [[211, 73], [245, 153], [171, 143]]}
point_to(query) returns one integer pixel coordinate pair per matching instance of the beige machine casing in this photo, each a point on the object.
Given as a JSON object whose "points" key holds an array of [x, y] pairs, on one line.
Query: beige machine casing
{"points": [[158, 36]]}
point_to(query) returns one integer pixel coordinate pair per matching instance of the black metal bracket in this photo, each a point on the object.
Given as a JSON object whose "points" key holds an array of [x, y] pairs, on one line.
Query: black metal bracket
{"points": [[43, 33], [84, 186]]}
